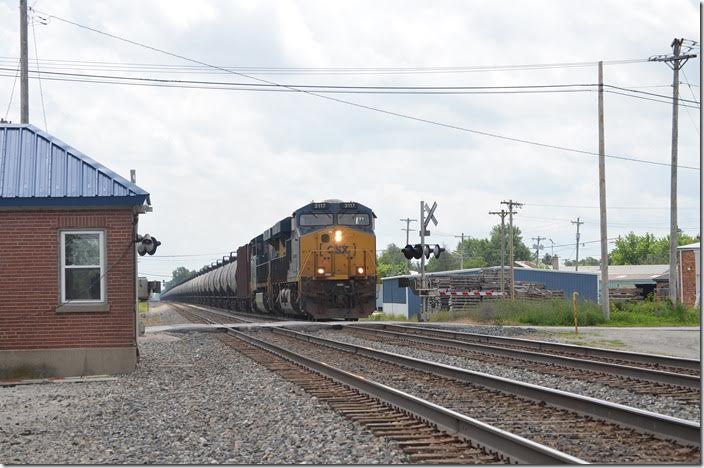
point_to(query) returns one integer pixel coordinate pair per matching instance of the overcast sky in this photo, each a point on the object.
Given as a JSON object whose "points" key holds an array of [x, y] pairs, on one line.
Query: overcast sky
{"points": [[223, 165]]}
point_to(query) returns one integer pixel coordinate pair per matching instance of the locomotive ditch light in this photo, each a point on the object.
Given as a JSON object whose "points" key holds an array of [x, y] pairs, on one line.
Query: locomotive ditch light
{"points": [[338, 237], [360, 270], [321, 271]]}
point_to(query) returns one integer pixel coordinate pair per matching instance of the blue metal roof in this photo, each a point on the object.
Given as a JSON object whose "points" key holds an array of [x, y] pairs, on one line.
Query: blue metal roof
{"points": [[37, 169]]}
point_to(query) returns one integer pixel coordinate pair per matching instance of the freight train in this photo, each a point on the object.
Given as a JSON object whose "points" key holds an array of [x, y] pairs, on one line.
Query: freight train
{"points": [[319, 263]]}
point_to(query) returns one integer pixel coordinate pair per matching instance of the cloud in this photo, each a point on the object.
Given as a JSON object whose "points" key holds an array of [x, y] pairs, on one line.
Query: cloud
{"points": [[222, 166]]}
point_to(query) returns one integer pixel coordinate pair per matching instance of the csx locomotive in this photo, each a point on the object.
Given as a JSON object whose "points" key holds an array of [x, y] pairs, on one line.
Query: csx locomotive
{"points": [[318, 263]]}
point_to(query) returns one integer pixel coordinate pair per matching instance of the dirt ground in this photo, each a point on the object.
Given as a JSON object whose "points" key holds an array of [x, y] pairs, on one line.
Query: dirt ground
{"points": [[669, 341]]}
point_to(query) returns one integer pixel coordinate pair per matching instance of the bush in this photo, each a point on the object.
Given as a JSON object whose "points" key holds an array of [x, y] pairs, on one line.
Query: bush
{"points": [[555, 312], [652, 313]]}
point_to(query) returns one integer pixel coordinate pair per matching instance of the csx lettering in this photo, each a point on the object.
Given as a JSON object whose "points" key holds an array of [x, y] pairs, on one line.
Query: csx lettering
{"points": [[339, 249]]}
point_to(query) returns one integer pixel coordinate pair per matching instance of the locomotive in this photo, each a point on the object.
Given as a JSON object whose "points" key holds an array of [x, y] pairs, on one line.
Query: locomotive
{"points": [[319, 263]]}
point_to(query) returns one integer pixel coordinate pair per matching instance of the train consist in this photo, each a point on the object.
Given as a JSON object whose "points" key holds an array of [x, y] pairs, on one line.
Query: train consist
{"points": [[318, 263]]}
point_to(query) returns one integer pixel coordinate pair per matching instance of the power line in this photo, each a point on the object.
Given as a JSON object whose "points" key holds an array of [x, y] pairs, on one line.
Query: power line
{"points": [[12, 92], [375, 109], [347, 89], [39, 76], [200, 67], [610, 207]]}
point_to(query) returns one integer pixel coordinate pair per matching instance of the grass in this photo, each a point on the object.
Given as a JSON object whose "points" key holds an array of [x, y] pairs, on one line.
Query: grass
{"points": [[379, 316], [653, 314], [143, 307], [559, 312]]}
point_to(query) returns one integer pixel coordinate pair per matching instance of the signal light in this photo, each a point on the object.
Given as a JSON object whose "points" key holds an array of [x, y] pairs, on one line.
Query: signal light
{"points": [[147, 245], [417, 251]]}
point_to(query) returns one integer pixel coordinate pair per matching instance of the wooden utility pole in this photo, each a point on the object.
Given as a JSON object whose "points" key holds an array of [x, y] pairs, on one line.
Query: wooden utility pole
{"points": [[24, 65], [602, 202], [537, 249], [674, 61], [576, 262], [461, 237], [510, 205], [502, 241]]}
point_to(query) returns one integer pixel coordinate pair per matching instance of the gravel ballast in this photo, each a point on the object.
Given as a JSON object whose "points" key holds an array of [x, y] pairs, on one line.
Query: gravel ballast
{"points": [[662, 405], [192, 400]]}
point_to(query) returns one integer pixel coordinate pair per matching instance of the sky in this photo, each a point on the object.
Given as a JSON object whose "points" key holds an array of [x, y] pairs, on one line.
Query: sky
{"points": [[223, 165]]}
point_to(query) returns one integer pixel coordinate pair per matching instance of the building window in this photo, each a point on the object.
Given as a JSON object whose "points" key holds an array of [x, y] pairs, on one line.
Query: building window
{"points": [[82, 266]]}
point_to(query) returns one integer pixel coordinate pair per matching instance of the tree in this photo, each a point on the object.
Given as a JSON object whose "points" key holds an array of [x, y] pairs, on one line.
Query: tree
{"points": [[645, 250], [446, 262], [391, 262], [589, 261], [479, 253], [177, 276]]}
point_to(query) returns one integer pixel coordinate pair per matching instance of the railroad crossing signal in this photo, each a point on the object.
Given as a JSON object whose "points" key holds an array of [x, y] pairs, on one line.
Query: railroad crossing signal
{"points": [[147, 244], [430, 216], [417, 251]]}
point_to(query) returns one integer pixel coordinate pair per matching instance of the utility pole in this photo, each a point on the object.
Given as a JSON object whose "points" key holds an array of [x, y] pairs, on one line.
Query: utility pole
{"points": [[24, 65], [408, 230], [576, 262], [502, 241], [461, 251], [511, 204], [675, 62], [537, 249], [602, 202]]}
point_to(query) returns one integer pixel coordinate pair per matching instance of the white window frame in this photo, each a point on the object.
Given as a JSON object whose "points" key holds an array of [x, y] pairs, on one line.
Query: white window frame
{"points": [[63, 266]]}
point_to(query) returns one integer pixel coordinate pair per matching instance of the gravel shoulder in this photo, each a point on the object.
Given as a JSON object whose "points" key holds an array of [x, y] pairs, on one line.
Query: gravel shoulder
{"points": [[192, 400], [668, 341], [662, 405]]}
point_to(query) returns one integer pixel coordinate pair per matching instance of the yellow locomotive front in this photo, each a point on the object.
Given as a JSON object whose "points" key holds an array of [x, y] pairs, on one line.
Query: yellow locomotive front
{"points": [[337, 260]]}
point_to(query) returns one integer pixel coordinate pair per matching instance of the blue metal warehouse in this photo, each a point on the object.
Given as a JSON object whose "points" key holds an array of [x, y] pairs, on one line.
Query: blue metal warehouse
{"points": [[400, 300]]}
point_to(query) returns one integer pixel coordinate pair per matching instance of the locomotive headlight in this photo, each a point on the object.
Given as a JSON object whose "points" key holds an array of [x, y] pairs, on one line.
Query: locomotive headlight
{"points": [[360, 270], [338, 236], [321, 271]]}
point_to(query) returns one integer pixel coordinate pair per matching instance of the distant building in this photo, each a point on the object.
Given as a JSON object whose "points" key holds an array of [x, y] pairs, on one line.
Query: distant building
{"points": [[398, 297], [689, 263], [68, 266]]}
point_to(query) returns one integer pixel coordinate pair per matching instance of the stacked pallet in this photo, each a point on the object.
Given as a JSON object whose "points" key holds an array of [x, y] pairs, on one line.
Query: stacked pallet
{"points": [[488, 279], [626, 294]]}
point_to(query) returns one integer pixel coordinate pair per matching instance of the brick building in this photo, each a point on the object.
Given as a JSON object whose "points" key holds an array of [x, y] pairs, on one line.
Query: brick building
{"points": [[689, 274], [67, 260]]}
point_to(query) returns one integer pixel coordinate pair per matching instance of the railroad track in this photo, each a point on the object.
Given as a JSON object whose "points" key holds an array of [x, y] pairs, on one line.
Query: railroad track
{"points": [[681, 387], [667, 364], [426, 432], [222, 314], [586, 428]]}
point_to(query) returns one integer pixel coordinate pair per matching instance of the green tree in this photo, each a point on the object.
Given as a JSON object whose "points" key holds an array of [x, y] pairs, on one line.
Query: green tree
{"points": [[478, 253], [589, 261], [391, 262], [177, 276], [633, 249], [447, 261]]}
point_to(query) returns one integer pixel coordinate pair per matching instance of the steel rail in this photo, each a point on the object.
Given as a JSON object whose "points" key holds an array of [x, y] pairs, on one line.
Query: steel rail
{"points": [[670, 361], [670, 378], [667, 427], [514, 447]]}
